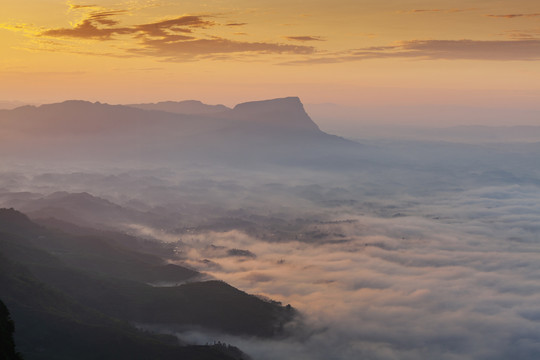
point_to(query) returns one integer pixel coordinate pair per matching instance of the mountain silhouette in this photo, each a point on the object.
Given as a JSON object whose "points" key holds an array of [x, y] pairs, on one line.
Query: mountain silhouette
{"points": [[189, 107], [76, 296], [286, 113], [271, 131]]}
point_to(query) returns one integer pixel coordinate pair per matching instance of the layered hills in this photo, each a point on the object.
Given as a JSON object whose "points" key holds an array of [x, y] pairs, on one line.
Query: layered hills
{"points": [[77, 294]]}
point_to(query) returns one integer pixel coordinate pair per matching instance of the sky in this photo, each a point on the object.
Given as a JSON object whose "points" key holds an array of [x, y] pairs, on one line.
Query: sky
{"points": [[347, 52]]}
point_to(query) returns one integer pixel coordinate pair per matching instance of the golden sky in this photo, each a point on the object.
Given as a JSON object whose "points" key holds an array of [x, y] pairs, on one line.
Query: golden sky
{"points": [[341, 51]]}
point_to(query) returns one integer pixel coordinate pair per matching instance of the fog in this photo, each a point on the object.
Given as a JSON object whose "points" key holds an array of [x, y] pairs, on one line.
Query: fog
{"points": [[471, 124], [417, 249], [394, 263], [460, 285]]}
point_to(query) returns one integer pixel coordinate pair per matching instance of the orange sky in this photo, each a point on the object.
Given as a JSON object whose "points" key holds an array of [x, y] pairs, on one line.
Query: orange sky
{"points": [[350, 52]]}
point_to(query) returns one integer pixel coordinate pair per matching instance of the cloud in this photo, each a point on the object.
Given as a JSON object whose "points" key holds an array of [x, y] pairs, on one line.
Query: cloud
{"points": [[413, 11], [304, 38], [511, 16], [182, 24], [184, 48], [455, 277], [103, 17], [472, 49], [175, 39], [416, 11], [495, 50], [403, 288], [235, 24], [522, 34], [77, 6], [87, 29], [90, 27]]}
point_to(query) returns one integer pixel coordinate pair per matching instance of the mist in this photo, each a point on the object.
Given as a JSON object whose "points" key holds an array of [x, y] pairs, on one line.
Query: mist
{"points": [[399, 249], [437, 283], [430, 122]]}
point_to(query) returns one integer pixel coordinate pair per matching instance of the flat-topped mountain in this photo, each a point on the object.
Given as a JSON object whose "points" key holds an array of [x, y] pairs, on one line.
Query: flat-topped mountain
{"points": [[286, 112]]}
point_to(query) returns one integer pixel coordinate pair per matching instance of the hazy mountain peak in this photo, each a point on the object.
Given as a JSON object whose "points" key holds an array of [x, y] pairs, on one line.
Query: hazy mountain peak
{"points": [[291, 102], [283, 112], [13, 216], [76, 196], [188, 107], [80, 199], [74, 103], [9, 105], [13, 220], [275, 130], [67, 105]]}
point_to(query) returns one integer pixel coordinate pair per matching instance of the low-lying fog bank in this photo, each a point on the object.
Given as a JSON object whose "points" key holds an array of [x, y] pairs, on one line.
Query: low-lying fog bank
{"points": [[425, 250]]}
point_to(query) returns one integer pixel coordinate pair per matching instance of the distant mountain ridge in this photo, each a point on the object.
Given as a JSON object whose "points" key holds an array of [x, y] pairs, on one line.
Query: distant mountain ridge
{"points": [[188, 107], [275, 131], [82, 209]]}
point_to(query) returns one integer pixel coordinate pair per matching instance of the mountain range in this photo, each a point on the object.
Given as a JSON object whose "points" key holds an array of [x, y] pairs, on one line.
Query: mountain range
{"points": [[274, 131], [186, 107], [78, 293]]}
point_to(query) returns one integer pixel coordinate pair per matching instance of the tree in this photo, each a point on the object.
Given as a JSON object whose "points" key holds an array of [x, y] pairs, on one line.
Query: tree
{"points": [[7, 328]]}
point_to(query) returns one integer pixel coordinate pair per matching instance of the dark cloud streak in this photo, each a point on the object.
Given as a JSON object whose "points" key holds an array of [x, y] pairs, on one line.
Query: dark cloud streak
{"points": [[417, 11], [304, 38], [511, 16], [235, 24], [75, 7]]}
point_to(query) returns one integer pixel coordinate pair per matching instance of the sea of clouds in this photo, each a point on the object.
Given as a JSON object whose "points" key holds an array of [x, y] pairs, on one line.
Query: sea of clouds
{"points": [[450, 278], [427, 265]]}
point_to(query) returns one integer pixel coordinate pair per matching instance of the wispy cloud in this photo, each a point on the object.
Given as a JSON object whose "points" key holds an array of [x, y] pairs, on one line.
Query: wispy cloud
{"points": [[436, 10], [421, 10], [472, 49], [531, 34], [78, 6], [419, 286], [176, 38], [305, 38], [511, 16], [91, 27], [104, 17], [497, 50], [182, 38], [180, 49], [235, 24]]}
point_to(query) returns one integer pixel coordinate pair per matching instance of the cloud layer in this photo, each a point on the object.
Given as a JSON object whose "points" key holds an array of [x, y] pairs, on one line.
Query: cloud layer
{"points": [[511, 16], [491, 50], [196, 36], [420, 262], [175, 38], [456, 279]]}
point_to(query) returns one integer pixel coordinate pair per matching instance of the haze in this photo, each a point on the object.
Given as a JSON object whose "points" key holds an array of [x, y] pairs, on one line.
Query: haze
{"points": [[369, 170]]}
